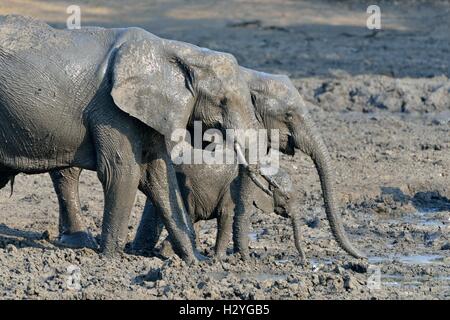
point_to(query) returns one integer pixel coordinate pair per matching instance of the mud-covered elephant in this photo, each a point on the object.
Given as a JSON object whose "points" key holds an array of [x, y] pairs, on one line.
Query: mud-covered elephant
{"points": [[208, 192], [108, 100], [277, 106]]}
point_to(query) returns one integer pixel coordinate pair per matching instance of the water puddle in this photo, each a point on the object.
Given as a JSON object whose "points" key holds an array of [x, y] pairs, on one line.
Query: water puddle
{"points": [[412, 259], [398, 280], [259, 276], [282, 261], [267, 276], [419, 259], [256, 235], [429, 217], [316, 263], [253, 236]]}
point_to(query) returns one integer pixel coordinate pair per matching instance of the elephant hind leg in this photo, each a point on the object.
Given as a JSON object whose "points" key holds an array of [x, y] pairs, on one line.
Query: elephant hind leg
{"points": [[72, 233]]}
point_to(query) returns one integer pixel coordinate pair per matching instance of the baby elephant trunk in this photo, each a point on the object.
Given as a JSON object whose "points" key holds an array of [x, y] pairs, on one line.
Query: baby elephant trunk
{"points": [[298, 237], [283, 201]]}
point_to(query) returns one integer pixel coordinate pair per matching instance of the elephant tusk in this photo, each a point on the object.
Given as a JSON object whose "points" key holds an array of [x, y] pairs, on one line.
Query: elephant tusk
{"points": [[251, 173], [274, 184], [271, 181], [240, 155]]}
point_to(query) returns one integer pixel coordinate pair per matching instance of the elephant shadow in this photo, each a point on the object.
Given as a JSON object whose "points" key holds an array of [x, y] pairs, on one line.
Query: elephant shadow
{"points": [[19, 238]]}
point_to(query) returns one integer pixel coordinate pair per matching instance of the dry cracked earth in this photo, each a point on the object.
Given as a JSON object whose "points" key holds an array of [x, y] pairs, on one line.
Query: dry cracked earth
{"points": [[382, 103]]}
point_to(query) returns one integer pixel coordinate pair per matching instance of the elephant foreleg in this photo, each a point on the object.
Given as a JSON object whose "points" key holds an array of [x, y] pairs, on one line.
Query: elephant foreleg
{"points": [[224, 225], [71, 229], [242, 193], [167, 248], [119, 171], [161, 187]]}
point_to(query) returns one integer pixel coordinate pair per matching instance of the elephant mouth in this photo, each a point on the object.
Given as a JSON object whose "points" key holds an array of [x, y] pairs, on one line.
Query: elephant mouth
{"points": [[288, 148], [291, 146], [282, 212]]}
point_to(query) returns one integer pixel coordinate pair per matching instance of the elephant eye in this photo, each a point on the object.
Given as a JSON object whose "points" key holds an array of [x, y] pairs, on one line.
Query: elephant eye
{"points": [[289, 116], [253, 99], [223, 101]]}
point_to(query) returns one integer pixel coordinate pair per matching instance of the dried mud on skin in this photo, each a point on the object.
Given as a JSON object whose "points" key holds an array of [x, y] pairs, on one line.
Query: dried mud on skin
{"points": [[382, 103]]}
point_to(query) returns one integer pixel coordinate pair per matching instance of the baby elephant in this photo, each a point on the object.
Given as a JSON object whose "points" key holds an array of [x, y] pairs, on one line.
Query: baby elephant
{"points": [[209, 192]]}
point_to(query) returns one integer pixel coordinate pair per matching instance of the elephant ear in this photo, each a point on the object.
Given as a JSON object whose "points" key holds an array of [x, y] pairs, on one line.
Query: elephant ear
{"points": [[152, 87], [262, 201]]}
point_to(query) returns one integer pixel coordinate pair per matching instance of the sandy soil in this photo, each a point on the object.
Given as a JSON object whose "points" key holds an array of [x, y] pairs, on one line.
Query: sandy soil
{"points": [[382, 101]]}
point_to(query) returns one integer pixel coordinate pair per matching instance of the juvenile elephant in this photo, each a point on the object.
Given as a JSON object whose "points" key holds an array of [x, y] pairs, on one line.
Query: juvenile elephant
{"points": [[277, 106], [208, 192], [108, 100]]}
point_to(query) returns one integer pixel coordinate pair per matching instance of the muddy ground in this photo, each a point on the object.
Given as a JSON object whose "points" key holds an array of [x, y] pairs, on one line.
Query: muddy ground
{"points": [[382, 101]]}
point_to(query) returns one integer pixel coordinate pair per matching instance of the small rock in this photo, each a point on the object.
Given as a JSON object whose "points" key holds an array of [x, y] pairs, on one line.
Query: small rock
{"points": [[359, 266], [446, 246], [427, 271], [313, 223], [350, 282], [201, 285], [160, 283], [10, 248], [339, 270], [45, 235]]}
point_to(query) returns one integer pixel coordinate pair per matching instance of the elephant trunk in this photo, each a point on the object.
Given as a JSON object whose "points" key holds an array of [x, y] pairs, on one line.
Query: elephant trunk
{"points": [[308, 141], [298, 236]]}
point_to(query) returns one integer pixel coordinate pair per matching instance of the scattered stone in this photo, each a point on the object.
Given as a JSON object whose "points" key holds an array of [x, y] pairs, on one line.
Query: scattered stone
{"points": [[10, 248], [359, 266], [350, 282], [45, 235], [314, 223]]}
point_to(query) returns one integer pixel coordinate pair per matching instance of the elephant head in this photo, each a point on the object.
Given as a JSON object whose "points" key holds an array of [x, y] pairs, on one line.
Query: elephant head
{"points": [[166, 84], [280, 107], [281, 203]]}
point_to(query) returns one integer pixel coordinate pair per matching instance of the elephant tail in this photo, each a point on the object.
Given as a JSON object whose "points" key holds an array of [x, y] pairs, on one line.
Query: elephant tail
{"points": [[4, 181], [11, 180]]}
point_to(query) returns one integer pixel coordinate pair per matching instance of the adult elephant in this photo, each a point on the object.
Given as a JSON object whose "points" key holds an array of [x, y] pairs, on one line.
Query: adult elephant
{"points": [[108, 100], [277, 106], [280, 107]]}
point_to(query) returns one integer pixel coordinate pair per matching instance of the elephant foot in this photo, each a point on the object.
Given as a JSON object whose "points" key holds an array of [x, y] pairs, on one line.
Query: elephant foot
{"points": [[78, 240], [141, 246], [200, 257], [167, 251]]}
